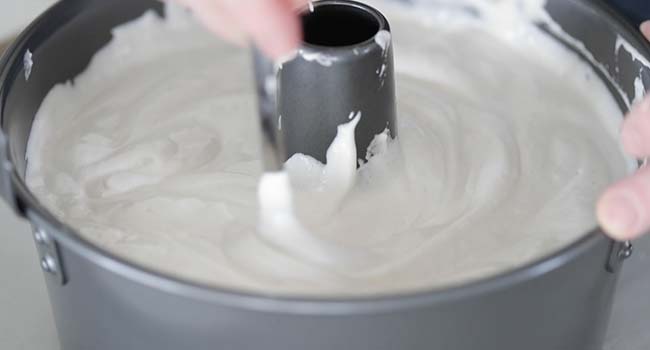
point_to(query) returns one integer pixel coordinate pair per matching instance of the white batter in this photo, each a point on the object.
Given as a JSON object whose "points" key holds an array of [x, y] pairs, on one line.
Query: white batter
{"points": [[506, 141]]}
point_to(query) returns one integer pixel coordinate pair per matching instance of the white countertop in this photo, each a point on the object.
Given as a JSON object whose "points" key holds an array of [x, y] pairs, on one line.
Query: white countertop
{"points": [[16, 14]]}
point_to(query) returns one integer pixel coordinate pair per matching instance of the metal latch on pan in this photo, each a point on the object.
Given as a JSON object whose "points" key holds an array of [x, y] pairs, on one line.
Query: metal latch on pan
{"points": [[619, 252], [50, 259], [6, 169]]}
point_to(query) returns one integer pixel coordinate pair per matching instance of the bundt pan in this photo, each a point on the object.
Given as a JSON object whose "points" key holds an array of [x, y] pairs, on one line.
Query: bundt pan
{"points": [[101, 302]]}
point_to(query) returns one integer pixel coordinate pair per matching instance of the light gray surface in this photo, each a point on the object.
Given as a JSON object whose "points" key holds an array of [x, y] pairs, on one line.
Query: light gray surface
{"points": [[16, 14], [26, 320]]}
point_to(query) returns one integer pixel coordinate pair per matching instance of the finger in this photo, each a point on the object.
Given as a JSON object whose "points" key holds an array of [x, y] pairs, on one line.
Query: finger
{"points": [[297, 4], [624, 209], [636, 130], [216, 18], [273, 24], [645, 29]]}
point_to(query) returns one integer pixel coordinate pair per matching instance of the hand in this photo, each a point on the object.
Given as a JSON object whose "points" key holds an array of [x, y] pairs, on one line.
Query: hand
{"points": [[624, 209], [273, 25]]}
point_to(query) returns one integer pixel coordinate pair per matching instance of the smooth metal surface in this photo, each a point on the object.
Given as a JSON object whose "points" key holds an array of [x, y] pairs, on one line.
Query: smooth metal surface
{"points": [[266, 85], [26, 320], [6, 169], [6, 188], [561, 302], [120, 313], [631, 311]]}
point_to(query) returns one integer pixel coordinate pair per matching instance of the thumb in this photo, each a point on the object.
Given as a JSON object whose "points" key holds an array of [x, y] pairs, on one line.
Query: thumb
{"points": [[645, 29], [273, 25]]}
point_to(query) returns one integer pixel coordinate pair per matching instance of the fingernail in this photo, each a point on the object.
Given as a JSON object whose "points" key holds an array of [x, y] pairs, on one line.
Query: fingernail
{"points": [[619, 217], [645, 29]]}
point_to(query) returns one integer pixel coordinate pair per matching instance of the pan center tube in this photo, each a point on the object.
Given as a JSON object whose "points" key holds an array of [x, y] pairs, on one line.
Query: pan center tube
{"points": [[344, 68]]}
